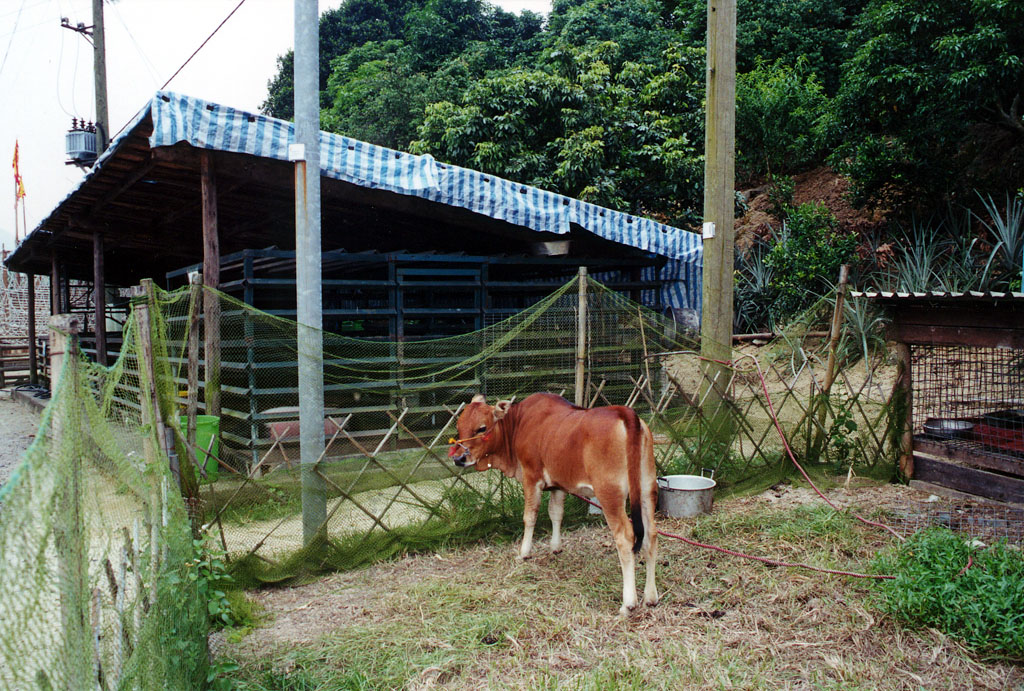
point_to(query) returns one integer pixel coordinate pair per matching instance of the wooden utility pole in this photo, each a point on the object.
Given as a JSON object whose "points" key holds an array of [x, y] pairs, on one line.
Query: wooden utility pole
{"points": [[99, 60], [719, 201]]}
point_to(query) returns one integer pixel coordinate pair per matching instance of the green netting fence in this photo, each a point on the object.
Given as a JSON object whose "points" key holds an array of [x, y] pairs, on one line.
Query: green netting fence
{"points": [[96, 587], [105, 590]]}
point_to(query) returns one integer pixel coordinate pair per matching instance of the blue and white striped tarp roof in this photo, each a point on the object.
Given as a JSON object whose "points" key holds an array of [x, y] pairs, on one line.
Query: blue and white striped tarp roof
{"points": [[202, 124]]}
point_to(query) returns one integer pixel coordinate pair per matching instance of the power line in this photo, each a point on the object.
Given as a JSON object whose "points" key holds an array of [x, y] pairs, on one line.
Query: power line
{"points": [[195, 52], [242, 2], [150, 67], [16, 20]]}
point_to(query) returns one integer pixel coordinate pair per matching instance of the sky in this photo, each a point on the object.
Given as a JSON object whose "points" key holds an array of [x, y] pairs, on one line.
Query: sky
{"points": [[46, 75]]}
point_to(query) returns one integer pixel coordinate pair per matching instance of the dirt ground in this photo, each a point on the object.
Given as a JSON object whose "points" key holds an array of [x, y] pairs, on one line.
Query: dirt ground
{"points": [[18, 427]]}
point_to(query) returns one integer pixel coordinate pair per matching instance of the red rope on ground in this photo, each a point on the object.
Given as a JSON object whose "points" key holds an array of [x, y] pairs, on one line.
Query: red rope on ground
{"points": [[763, 560], [774, 562]]}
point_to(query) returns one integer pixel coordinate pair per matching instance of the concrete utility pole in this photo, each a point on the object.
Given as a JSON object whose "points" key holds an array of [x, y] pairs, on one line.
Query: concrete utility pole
{"points": [[306, 154], [99, 58], [719, 183]]}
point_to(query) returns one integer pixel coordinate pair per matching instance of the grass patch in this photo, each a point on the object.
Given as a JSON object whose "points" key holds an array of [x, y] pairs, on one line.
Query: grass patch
{"points": [[279, 494], [982, 605], [462, 517]]}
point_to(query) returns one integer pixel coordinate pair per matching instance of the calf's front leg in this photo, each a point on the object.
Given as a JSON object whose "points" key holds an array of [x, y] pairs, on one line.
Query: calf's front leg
{"points": [[531, 503], [556, 509]]}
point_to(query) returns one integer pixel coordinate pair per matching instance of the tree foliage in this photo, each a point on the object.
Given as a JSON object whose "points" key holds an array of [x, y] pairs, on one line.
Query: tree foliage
{"points": [[592, 126], [923, 78], [920, 103]]}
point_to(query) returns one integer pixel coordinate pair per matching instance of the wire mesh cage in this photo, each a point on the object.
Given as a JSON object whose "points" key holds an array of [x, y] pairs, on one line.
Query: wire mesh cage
{"points": [[970, 397]]}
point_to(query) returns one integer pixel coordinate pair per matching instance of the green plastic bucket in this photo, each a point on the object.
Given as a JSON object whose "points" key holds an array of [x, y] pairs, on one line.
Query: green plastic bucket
{"points": [[207, 428]]}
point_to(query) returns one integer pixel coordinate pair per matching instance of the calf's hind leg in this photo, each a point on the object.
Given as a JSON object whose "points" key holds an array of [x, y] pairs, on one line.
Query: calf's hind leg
{"points": [[614, 506]]}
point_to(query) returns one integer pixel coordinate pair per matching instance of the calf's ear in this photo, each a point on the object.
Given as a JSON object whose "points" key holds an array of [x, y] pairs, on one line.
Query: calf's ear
{"points": [[479, 398], [500, 408]]}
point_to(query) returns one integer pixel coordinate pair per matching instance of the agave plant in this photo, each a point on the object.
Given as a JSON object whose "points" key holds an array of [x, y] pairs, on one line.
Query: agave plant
{"points": [[752, 297], [1007, 230], [920, 257]]}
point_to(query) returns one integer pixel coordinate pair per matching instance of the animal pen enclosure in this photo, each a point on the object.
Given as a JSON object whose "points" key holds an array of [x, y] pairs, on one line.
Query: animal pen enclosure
{"points": [[963, 358], [391, 407]]}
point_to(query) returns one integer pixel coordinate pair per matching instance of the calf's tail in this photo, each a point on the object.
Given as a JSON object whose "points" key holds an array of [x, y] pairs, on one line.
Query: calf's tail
{"points": [[634, 456]]}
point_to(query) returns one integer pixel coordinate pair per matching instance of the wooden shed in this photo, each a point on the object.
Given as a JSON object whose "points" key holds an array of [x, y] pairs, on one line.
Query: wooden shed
{"points": [[190, 183], [962, 371]]}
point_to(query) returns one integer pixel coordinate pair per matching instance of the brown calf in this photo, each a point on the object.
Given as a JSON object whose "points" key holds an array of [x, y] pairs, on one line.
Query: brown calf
{"points": [[547, 443]]}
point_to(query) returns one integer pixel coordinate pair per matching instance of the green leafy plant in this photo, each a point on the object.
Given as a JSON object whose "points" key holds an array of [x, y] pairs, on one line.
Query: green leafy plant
{"points": [[208, 569], [1007, 229], [982, 605], [753, 294], [780, 195], [842, 443]]}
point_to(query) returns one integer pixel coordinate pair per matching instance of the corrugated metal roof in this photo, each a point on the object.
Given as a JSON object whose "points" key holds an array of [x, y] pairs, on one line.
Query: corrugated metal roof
{"points": [[970, 295]]}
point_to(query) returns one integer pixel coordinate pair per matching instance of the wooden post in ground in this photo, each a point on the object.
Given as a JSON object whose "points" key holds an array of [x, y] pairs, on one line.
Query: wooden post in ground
{"points": [[830, 369], [33, 365], [719, 209], [581, 338], [904, 399], [149, 389], [68, 535], [99, 294], [211, 279]]}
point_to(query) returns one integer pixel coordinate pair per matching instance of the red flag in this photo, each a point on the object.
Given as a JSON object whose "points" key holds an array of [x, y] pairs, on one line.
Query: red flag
{"points": [[19, 185]]}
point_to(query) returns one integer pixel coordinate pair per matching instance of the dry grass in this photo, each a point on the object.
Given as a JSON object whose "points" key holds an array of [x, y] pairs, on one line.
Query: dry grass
{"points": [[477, 619]]}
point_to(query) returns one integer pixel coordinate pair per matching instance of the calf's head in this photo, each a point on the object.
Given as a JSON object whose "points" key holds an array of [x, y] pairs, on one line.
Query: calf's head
{"points": [[476, 430]]}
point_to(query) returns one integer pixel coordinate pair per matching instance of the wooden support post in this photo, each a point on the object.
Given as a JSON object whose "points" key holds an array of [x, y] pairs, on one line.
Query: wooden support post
{"points": [[903, 398], [99, 294], [581, 337], [55, 306], [719, 196], [822, 404], [837, 326], [211, 279], [33, 365]]}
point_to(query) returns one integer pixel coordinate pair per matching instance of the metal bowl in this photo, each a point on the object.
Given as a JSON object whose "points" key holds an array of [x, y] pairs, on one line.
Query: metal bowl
{"points": [[947, 428]]}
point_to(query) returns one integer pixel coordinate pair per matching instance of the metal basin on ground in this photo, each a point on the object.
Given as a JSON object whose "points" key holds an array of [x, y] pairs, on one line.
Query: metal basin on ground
{"points": [[683, 496]]}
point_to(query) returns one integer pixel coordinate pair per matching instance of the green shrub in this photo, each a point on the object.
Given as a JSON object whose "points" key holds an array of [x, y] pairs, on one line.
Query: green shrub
{"points": [[983, 606], [806, 258], [208, 570]]}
